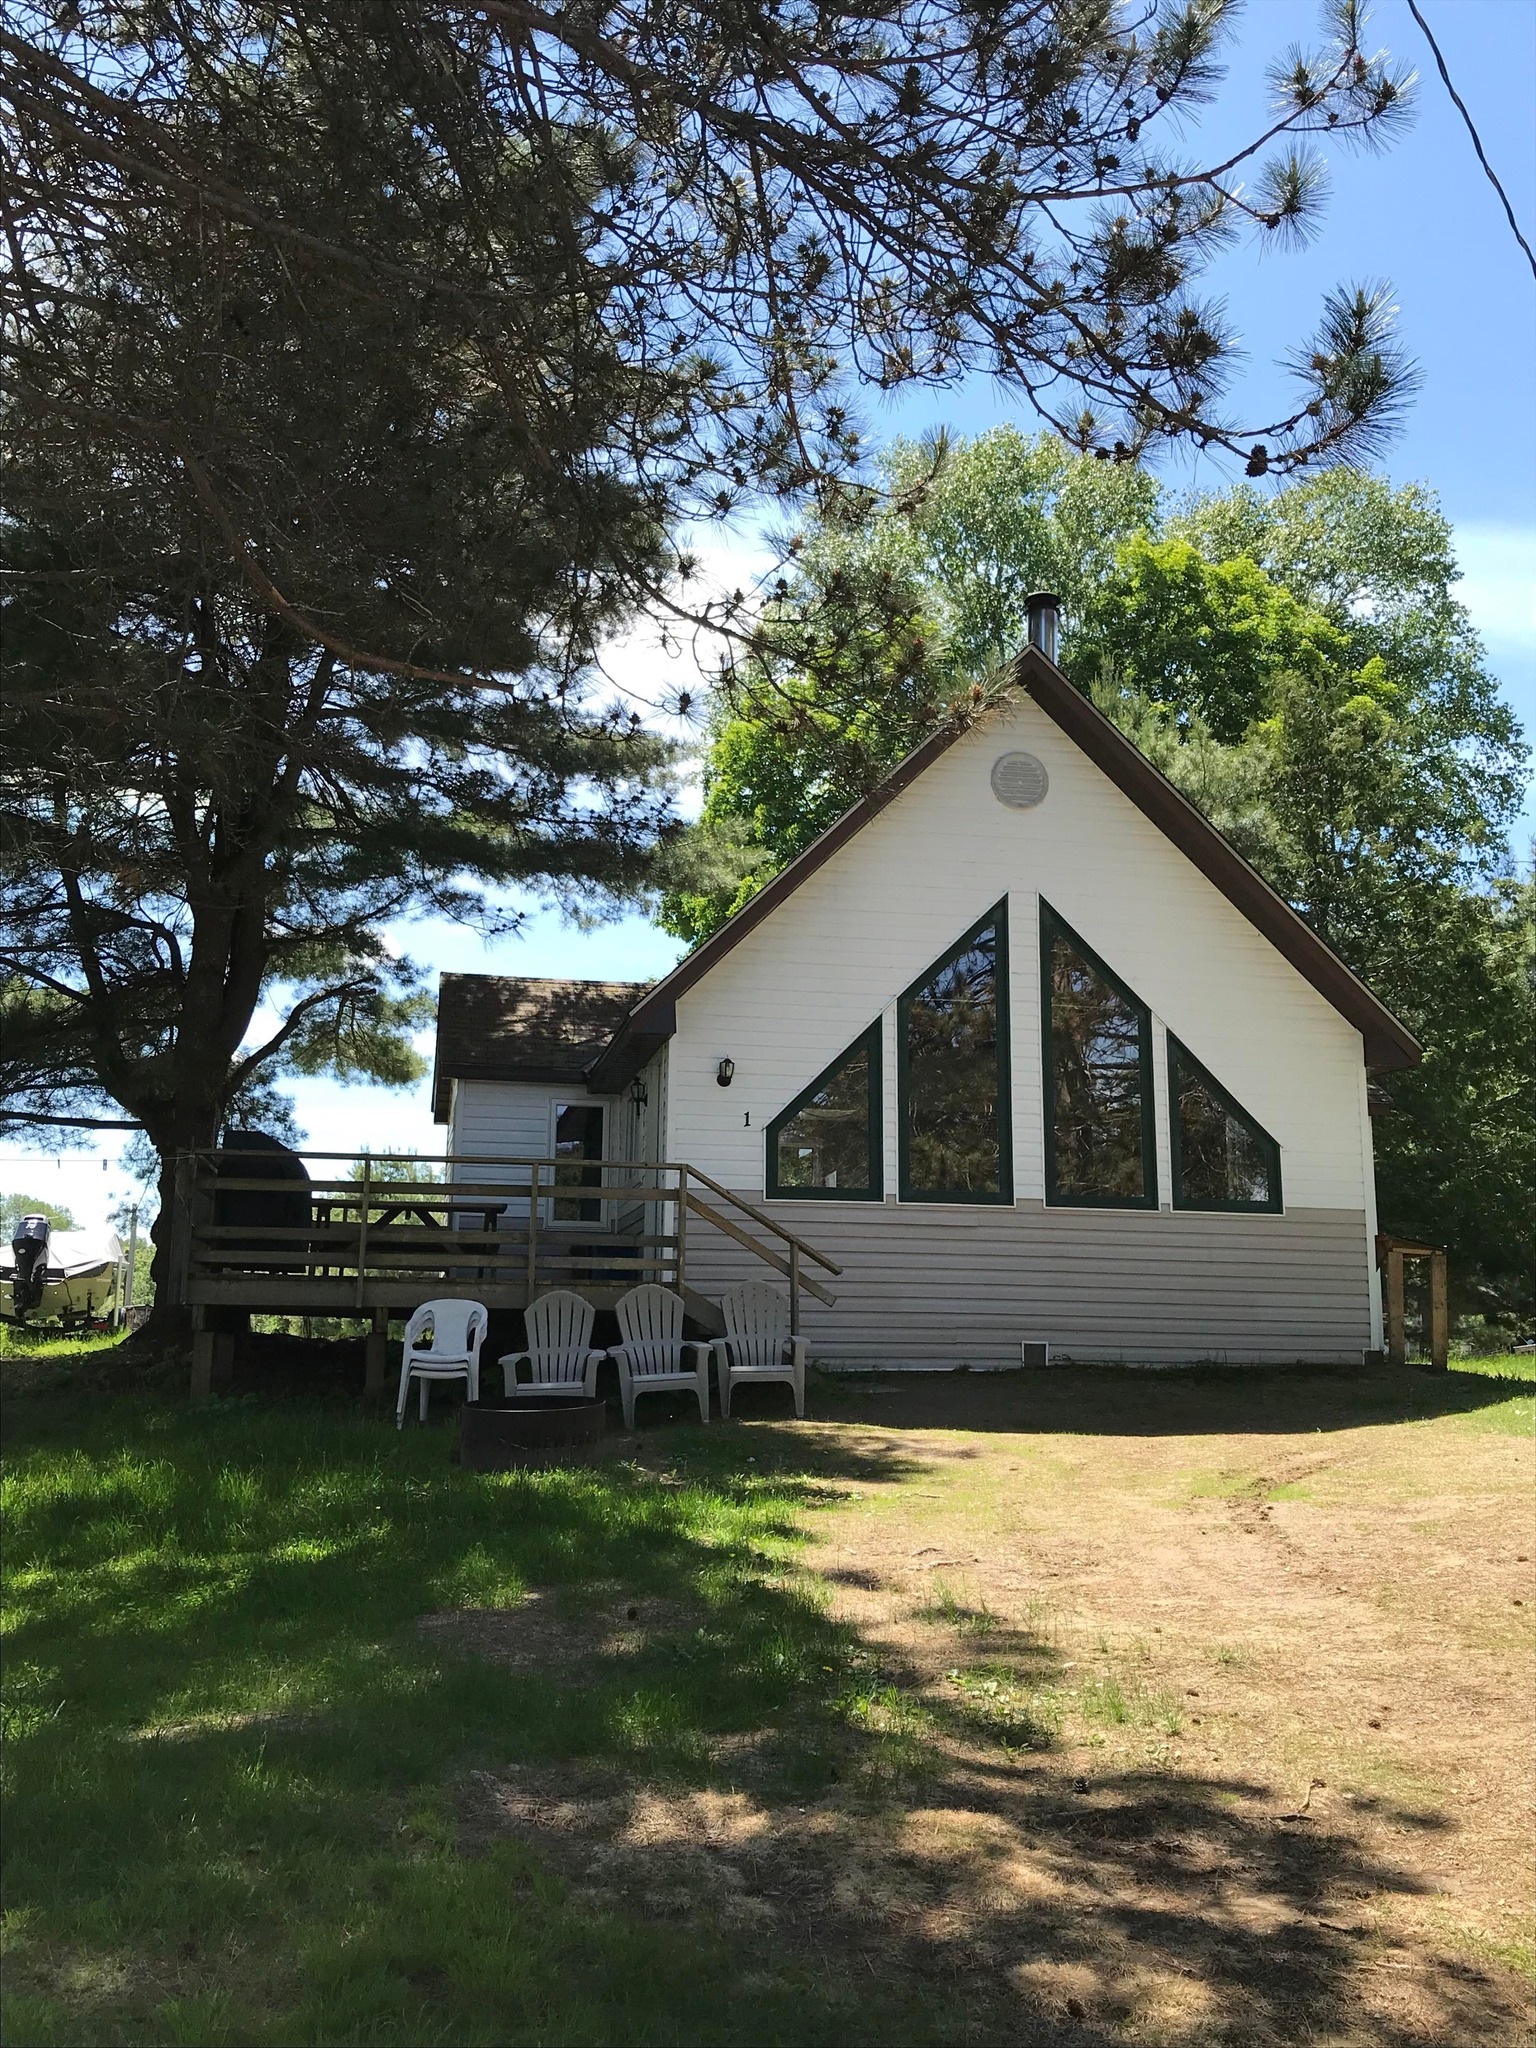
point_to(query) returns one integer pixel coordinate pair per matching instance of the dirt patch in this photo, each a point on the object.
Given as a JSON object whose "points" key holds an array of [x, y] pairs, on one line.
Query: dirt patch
{"points": [[1181, 1715], [1131, 1907]]}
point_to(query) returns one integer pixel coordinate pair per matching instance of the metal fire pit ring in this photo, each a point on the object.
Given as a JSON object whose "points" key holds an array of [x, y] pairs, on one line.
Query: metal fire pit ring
{"points": [[497, 1434]]}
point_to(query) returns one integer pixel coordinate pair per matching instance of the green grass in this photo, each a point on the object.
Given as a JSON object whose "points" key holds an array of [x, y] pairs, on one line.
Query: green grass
{"points": [[44, 1340], [234, 1762], [1510, 1365], [947, 1608], [993, 1702], [1236, 1486]]}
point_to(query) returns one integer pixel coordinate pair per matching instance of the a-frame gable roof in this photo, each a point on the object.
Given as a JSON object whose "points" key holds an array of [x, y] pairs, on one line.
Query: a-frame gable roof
{"points": [[1388, 1043]]}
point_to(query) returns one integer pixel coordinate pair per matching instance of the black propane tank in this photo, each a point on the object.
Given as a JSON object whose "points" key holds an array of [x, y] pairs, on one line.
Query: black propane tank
{"points": [[283, 1203]]}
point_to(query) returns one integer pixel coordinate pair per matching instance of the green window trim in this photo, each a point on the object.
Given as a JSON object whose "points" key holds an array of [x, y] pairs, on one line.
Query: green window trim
{"points": [[871, 1043], [1182, 1061], [995, 919], [1053, 926]]}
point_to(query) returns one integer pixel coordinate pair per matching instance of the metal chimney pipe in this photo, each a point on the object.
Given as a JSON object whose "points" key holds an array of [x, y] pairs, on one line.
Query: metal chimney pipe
{"points": [[1043, 609]]}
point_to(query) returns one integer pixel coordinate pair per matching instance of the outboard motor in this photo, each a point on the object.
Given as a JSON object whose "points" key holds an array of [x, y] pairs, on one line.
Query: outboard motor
{"points": [[30, 1247]]}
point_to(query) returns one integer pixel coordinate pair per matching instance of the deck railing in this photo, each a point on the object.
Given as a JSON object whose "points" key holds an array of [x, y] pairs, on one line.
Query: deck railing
{"points": [[356, 1240]]}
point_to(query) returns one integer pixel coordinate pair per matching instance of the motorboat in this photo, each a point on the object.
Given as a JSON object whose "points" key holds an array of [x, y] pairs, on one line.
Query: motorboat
{"points": [[71, 1277]]}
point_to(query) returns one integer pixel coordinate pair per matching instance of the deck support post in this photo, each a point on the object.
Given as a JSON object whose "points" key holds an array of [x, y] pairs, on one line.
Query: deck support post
{"points": [[1439, 1315], [376, 1355], [202, 1355], [213, 1358], [362, 1227], [1397, 1322]]}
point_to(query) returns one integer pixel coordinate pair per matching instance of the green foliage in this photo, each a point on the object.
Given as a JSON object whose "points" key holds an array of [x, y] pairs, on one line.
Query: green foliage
{"points": [[971, 528], [794, 751], [748, 207], [14, 1207], [904, 605], [394, 1167], [1206, 639]]}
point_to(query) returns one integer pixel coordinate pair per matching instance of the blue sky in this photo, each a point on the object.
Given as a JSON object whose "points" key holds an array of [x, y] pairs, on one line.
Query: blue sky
{"points": [[1421, 214]]}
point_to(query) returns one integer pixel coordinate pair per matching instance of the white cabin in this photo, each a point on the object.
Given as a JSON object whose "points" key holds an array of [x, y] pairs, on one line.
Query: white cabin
{"points": [[1022, 1043]]}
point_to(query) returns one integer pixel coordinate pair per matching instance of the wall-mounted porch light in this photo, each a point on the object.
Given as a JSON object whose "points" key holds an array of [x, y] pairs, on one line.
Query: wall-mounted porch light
{"points": [[639, 1094], [725, 1073]]}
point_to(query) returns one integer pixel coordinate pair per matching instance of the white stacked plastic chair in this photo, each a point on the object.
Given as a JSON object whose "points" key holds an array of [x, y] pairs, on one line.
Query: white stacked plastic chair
{"points": [[559, 1356], [757, 1344], [457, 1330], [653, 1357]]}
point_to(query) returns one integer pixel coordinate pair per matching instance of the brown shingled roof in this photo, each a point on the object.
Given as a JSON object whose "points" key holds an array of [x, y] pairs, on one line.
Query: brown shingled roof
{"points": [[495, 1027]]}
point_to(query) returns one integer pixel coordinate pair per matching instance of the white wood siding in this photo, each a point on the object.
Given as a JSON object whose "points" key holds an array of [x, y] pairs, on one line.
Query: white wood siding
{"points": [[802, 985], [924, 1286], [515, 1120]]}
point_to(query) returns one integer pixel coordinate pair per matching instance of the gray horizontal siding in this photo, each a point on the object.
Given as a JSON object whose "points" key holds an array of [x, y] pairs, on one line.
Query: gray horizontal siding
{"points": [[946, 1286]]}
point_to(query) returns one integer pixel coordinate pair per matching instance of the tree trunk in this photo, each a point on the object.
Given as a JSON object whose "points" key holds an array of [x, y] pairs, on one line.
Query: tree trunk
{"points": [[170, 1321]]}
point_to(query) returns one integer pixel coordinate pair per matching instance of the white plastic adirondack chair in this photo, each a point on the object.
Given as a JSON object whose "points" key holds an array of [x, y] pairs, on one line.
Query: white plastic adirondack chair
{"points": [[757, 1344], [654, 1356], [457, 1330], [560, 1357]]}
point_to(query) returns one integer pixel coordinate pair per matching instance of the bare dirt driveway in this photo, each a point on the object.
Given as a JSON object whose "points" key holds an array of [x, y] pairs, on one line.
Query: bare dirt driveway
{"points": [[1196, 1709]]}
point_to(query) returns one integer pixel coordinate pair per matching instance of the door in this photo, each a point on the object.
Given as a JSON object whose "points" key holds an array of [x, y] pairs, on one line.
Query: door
{"points": [[577, 1149]]}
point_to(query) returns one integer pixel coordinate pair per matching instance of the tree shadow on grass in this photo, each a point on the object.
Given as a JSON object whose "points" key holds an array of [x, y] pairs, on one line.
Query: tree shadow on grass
{"points": [[1120, 1401], [634, 1784], [229, 1733], [1014, 1902]]}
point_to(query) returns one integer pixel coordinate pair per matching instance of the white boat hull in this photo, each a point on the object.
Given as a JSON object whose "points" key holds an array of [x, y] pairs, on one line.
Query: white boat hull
{"points": [[85, 1280]]}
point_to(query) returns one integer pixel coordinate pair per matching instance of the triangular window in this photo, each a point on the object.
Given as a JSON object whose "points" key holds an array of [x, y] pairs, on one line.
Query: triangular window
{"points": [[1222, 1159], [952, 1035], [1099, 1132], [827, 1143]]}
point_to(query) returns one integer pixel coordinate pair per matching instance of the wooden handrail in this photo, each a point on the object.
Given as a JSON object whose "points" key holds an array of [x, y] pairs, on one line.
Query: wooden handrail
{"points": [[465, 1195], [447, 1159], [808, 1251], [361, 1242], [724, 1223]]}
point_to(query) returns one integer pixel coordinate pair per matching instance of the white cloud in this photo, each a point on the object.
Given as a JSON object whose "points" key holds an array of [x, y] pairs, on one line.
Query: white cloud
{"points": [[660, 657]]}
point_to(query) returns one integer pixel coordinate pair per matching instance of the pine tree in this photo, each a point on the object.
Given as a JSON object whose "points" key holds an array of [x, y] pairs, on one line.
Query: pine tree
{"points": [[297, 621]]}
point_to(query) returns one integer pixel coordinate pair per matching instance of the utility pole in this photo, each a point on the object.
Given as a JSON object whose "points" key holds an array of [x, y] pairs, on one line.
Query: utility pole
{"points": [[133, 1261]]}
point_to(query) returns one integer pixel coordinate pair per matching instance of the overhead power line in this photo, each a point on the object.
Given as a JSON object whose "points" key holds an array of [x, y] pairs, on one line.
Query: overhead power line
{"points": [[1477, 140], [75, 1123]]}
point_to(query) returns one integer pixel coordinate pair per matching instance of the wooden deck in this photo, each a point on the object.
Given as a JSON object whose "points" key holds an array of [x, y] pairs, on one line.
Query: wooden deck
{"points": [[358, 1243]]}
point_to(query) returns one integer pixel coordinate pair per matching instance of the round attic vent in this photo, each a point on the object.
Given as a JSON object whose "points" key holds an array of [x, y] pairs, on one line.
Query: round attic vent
{"points": [[1019, 781]]}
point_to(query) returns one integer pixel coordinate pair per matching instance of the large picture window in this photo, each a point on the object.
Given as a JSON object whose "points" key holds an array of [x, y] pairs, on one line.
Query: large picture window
{"points": [[827, 1143], [1222, 1159], [952, 1035], [1100, 1147]]}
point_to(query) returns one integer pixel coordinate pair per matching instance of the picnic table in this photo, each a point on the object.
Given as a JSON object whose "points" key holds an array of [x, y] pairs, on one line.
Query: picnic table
{"points": [[420, 1209], [416, 1210]]}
